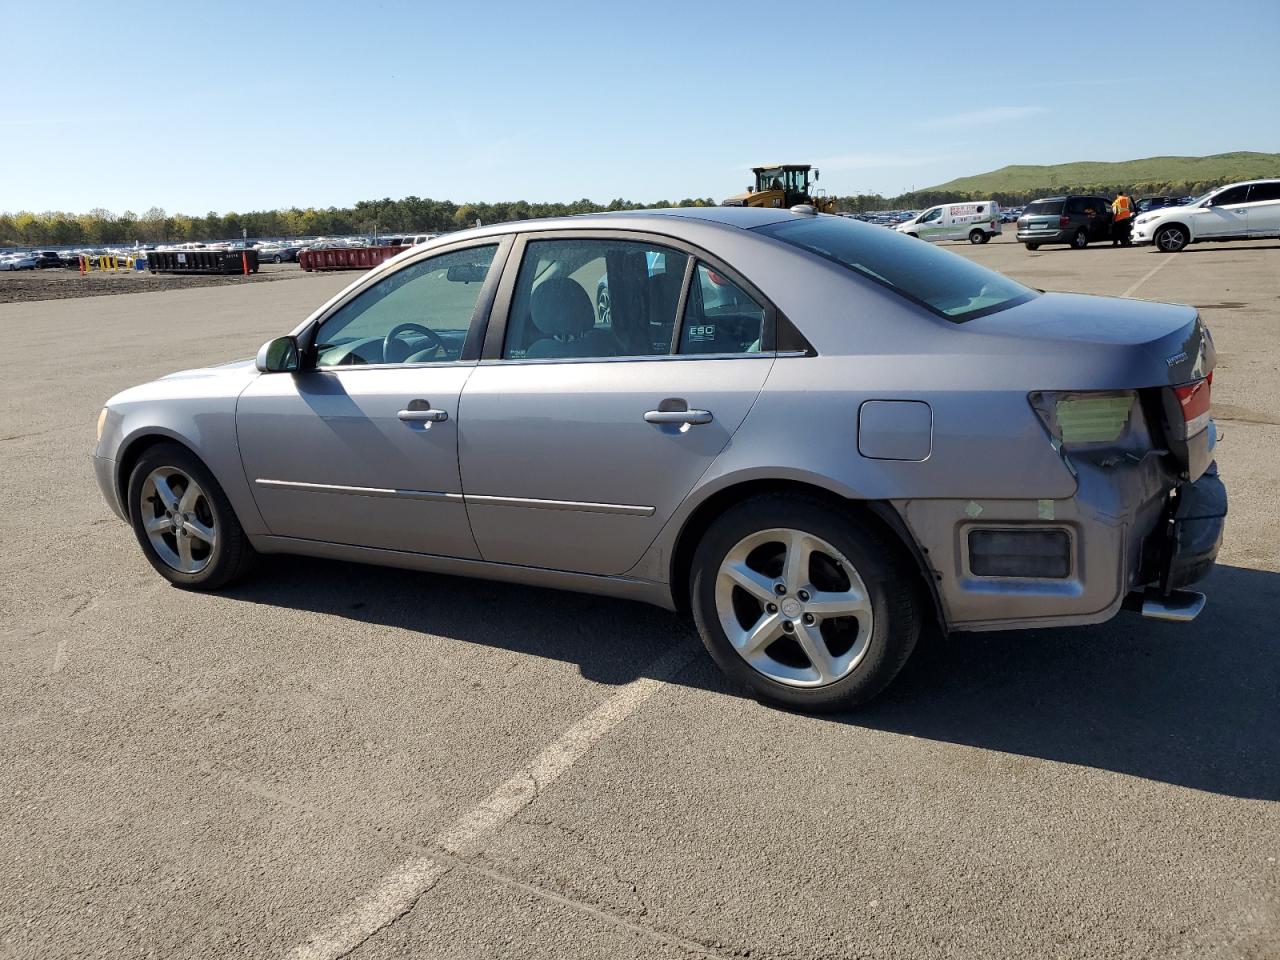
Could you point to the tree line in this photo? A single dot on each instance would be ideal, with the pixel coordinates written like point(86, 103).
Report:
point(100, 227)
point(412, 214)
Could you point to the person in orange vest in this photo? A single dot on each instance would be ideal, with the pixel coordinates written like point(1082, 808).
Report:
point(1121, 220)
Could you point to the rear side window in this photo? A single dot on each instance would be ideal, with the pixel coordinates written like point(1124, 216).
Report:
point(945, 283)
point(1052, 208)
point(1264, 191)
point(587, 298)
point(720, 317)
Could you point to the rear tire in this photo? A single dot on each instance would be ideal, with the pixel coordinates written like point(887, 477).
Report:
point(976, 237)
point(1032, 246)
point(831, 640)
point(184, 522)
point(1080, 240)
point(1171, 239)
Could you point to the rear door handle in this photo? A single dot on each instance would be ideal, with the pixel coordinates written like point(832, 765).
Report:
point(426, 415)
point(677, 416)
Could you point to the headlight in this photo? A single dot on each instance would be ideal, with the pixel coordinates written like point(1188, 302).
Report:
point(1145, 218)
point(102, 422)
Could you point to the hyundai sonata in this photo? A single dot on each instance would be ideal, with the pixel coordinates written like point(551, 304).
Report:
point(814, 435)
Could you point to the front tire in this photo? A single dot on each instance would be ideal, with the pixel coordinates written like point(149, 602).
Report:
point(1171, 239)
point(805, 606)
point(184, 522)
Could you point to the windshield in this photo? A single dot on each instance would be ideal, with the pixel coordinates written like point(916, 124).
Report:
point(945, 283)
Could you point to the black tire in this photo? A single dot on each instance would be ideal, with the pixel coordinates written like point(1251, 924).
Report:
point(976, 237)
point(1032, 246)
point(1080, 240)
point(1171, 238)
point(276, 258)
point(888, 574)
point(231, 556)
point(604, 306)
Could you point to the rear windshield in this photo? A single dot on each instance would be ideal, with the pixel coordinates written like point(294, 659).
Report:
point(946, 283)
point(1051, 207)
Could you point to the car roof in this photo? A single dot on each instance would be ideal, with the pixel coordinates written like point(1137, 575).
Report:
point(744, 218)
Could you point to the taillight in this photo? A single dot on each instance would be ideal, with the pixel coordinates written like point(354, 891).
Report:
point(1064, 221)
point(1193, 398)
point(1082, 418)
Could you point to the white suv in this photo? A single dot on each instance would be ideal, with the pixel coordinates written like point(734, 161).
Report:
point(1240, 211)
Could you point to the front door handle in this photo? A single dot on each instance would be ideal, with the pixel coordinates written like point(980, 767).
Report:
point(677, 416)
point(420, 411)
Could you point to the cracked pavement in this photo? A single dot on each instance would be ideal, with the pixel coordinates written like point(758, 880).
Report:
point(185, 775)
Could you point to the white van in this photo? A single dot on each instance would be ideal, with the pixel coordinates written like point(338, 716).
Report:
point(976, 222)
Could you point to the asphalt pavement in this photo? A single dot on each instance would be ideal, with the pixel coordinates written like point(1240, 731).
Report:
point(334, 760)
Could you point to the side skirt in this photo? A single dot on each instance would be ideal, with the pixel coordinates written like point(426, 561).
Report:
point(625, 588)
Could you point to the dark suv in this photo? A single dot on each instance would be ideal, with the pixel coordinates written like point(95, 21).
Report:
point(1074, 220)
point(47, 258)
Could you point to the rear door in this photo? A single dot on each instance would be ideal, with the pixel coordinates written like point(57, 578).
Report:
point(590, 418)
point(1264, 209)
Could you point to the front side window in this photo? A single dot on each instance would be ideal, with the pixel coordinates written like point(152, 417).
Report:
point(594, 298)
point(720, 317)
point(419, 314)
point(946, 284)
point(1231, 196)
point(934, 214)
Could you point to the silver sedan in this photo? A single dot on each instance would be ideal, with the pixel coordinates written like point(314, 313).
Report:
point(816, 436)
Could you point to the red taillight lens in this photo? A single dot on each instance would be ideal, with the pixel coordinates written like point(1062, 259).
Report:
point(1064, 221)
point(1194, 399)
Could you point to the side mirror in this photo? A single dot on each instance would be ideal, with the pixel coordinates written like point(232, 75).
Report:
point(815, 174)
point(278, 356)
point(466, 273)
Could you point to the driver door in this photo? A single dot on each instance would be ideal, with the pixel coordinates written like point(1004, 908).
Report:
point(1225, 215)
point(360, 446)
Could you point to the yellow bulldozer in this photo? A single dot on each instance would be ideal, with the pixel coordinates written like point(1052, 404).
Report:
point(783, 185)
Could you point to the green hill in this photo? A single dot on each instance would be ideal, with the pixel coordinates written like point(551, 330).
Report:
point(1184, 172)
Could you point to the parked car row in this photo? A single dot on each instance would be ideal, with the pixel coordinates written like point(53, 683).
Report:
point(1239, 211)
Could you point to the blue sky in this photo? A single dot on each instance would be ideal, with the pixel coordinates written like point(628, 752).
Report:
point(237, 106)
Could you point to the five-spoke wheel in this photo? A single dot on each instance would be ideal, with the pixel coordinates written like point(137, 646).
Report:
point(183, 520)
point(805, 602)
point(178, 519)
point(793, 607)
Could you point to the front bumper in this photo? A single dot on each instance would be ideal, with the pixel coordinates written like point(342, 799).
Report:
point(104, 470)
point(1143, 234)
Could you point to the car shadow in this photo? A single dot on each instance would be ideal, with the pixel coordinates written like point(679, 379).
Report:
point(1196, 705)
point(1210, 246)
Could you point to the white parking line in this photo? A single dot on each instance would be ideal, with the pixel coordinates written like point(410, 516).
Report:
point(1148, 275)
point(396, 894)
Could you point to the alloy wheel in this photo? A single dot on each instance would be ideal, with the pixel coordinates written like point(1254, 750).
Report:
point(1171, 239)
point(793, 607)
point(178, 519)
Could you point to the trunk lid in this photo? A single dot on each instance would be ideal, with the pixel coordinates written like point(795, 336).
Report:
point(1131, 343)
point(1110, 344)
